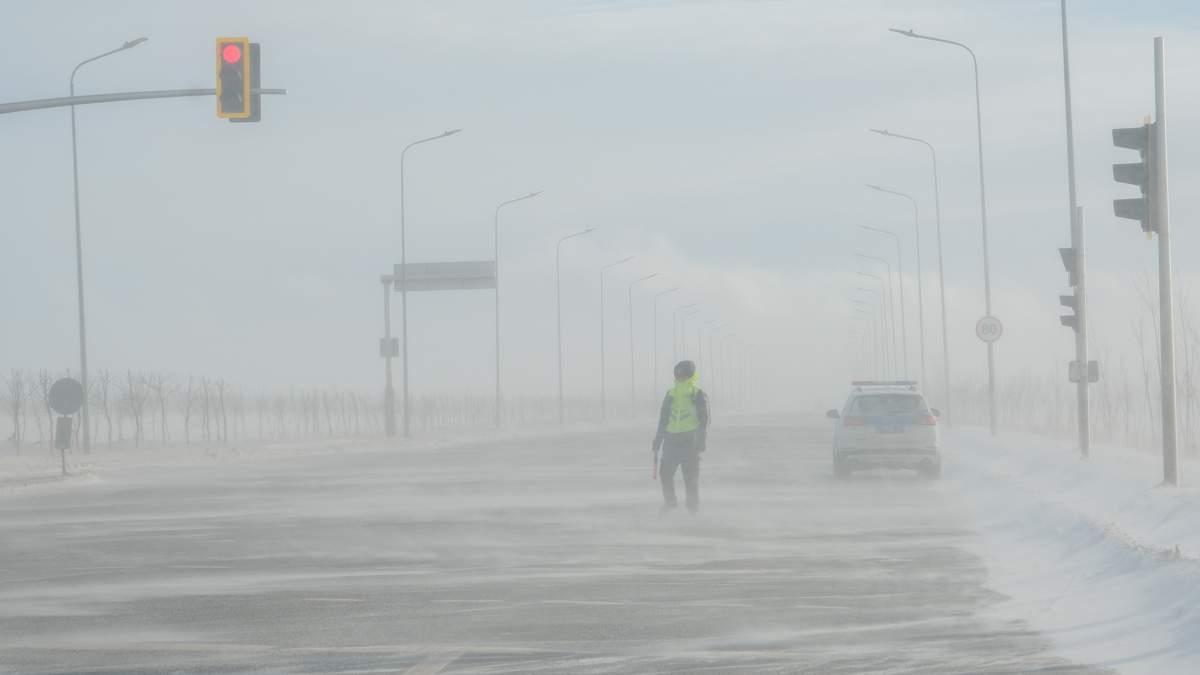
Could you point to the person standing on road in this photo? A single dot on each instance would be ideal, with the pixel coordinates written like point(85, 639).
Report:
point(682, 434)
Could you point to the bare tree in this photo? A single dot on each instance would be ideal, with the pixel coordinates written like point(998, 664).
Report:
point(44, 380)
point(161, 386)
point(135, 399)
point(189, 401)
point(17, 394)
point(223, 423)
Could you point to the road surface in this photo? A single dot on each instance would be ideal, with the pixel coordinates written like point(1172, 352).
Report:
point(543, 554)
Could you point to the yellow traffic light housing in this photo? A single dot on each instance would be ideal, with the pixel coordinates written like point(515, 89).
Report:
point(233, 78)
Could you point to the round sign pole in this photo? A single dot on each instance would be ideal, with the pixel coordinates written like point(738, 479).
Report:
point(65, 398)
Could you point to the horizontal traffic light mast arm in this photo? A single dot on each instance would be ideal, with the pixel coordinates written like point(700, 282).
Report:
point(38, 104)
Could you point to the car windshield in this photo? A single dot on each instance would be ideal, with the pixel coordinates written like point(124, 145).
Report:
point(888, 404)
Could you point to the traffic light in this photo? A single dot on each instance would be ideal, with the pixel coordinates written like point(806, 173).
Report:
point(1070, 320)
point(233, 78)
point(1140, 174)
point(1068, 259)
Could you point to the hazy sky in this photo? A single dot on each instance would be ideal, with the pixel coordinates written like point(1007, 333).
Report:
point(724, 143)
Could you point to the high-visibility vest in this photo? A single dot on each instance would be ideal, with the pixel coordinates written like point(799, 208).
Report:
point(684, 417)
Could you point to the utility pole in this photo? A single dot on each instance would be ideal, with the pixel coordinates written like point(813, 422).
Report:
point(1082, 367)
point(1152, 211)
point(389, 393)
point(1166, 312)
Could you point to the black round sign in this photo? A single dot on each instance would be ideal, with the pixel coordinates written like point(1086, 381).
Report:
point(66, 396)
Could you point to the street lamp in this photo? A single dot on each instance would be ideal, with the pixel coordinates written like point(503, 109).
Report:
point(83, 368)
point(654, 339)
point(389, 393)
point(683, 331)
point(632, 369)
point(712, 362)
point(496, 255)
point(603, 392)
point(891, 308)
point(558, 311)
point(900, 274)
point(404, 275)
point(937, 206)
point(869, 310)
point(674, 332)
point(920, 284)
point(882, 302)
point(987, 271)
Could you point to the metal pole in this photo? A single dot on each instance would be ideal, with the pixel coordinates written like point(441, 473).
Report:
point(654, 338)
point(632, 352)
point(496, 255)
point(389, 393)
point(920, 272)
point(1162, 223)
point(889, 367)
point(89, 99)
point(903, 302)
point(987, 270)
point(890, 300)
point(603, 391)
point(404, 278)
point(1077, 242)
point(1081, 346)
point(947, 407)
point(558, 314)
point(85, 417)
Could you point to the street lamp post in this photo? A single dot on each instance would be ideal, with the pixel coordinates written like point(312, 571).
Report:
point(603, 376)
point(920, 272)
point(868, 310)
point(389, 393)
point(987, 271)
point(683, 346)
point(496, 256)
point(654, 337)
point(404, 277)
point(937, 207)
point(889, 364)
point(558, 312)
point(712, 364)
point(83, 367)
point(903, 295)
point(900, 364)
point(632, 351)
point(675, 332)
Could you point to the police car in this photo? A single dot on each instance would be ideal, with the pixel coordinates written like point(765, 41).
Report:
point(886, 425)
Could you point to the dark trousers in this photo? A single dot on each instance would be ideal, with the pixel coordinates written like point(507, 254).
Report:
point(679, 450)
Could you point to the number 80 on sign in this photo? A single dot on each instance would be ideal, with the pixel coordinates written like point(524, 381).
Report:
point(989, 329)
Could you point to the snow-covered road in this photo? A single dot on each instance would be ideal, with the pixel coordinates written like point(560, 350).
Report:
point(536, 554)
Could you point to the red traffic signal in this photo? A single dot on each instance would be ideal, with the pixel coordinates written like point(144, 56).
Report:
point(232, 53)
point(233, 78)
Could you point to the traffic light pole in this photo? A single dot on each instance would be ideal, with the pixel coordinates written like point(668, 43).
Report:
point(64, 101)
point(1081, 348)
point(1159, 206)
point(389, 392)
point(1083, 413)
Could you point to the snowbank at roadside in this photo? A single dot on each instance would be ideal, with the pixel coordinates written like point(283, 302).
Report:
point(1092, 552)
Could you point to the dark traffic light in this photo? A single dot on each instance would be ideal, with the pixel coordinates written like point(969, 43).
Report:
point(233, 78)
point(1068, 260)
point(1070, 320)
point(1140, 174)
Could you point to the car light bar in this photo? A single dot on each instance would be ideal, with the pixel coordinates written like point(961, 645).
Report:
point(889, 383)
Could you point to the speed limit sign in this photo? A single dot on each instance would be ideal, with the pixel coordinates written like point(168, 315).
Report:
point(989, 329)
